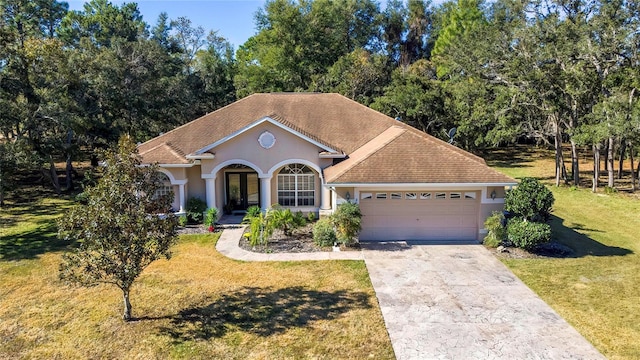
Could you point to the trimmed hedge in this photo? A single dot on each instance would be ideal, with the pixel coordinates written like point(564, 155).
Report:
point(527, 234)
point(530, 200)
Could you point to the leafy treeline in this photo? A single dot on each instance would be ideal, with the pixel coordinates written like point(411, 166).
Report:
point(552, 71)
point(73, 82)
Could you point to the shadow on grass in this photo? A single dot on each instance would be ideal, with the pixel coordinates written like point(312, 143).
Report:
point(263, 311)
point(582, 244)
point(507, 157)
point(30, 244)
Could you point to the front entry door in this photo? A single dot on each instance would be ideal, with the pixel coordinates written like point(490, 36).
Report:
point(243, 190)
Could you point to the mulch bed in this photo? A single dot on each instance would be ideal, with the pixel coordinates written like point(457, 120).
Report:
point(196, 229)
point(552, 249)
point(301, 240)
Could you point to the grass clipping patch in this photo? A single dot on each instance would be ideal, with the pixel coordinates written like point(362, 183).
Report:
point(197, 305)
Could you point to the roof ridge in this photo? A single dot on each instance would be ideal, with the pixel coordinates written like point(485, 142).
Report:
point(413, 129)
point(284, 121)
point(358, 159)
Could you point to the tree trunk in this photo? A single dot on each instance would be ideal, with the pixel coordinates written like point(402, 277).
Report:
point(2, 187)
point(596, 166)
point(127, 305)
point(633, 174)
point(69, 173)
point(575, 167)
point(54, 176)
point(558, 147)
point(69, 164)
point(623, 149)
point(610, 162)
point(605, 158)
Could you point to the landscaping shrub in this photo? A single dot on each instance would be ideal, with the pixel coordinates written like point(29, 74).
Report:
point(527, 234)
point(323, 233)
point(182, 220)
point(311, 217)
point(195, 210)
point(284, 220)
point(497, 230)
point(299, 219)
point(530, 200)
point(211, 216)
point(260, 230)
point(348, 222)
point(252, 212)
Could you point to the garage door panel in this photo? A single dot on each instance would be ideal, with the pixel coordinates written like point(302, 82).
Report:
point(419, 219)
point(414, 221)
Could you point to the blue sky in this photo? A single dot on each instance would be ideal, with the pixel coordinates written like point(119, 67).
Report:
point(232, 19)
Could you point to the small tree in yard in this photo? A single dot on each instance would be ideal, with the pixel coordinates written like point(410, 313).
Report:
point(531, 200)
point(119, 234)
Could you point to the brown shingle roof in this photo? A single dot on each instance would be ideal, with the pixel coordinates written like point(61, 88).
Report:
point(331, 119)
point(164, 153)
point(413, 157)
point(380, 149)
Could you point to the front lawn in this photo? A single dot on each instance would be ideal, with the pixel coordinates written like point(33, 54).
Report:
point(597, 290)
point(199, 304)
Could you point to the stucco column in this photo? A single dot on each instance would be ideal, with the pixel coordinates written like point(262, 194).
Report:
point(325, 198)
point(210, 184)
point(265, 192)
point(181, 197)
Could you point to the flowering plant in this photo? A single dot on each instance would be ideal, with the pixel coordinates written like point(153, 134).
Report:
point(211, 228)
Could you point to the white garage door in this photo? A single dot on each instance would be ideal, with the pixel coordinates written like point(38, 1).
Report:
point(419, 215)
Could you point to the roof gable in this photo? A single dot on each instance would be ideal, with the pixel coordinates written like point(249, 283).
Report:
point(271, 120)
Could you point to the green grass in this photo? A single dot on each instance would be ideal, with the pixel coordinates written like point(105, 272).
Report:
point(597, 289)
point(28, 230)
point(198, 305)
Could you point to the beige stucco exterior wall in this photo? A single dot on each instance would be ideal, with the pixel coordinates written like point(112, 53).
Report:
point(341, 194)
point(500, 192)
point(245, 147)
point(195, 186)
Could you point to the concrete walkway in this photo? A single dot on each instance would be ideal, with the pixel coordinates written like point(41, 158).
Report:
point(450, 302)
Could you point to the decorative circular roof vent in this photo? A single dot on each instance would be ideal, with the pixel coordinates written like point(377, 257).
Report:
point(267, 140)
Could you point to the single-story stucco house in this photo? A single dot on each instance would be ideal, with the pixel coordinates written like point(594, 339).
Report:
point(311, 152)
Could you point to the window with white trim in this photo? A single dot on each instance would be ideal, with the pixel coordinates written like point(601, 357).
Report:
point(396, 196)
point(296, 186)
point(455, 195)
point(410, 196)
point(366, 196)
point(441, 195)
point(164, 187)
point(470, 195)
point(425, 196)
point(381, 195)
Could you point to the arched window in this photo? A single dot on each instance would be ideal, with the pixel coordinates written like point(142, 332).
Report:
point(296, 186)
point(165, 187)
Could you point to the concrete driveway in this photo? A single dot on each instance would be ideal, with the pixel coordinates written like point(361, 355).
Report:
point(460, 302)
